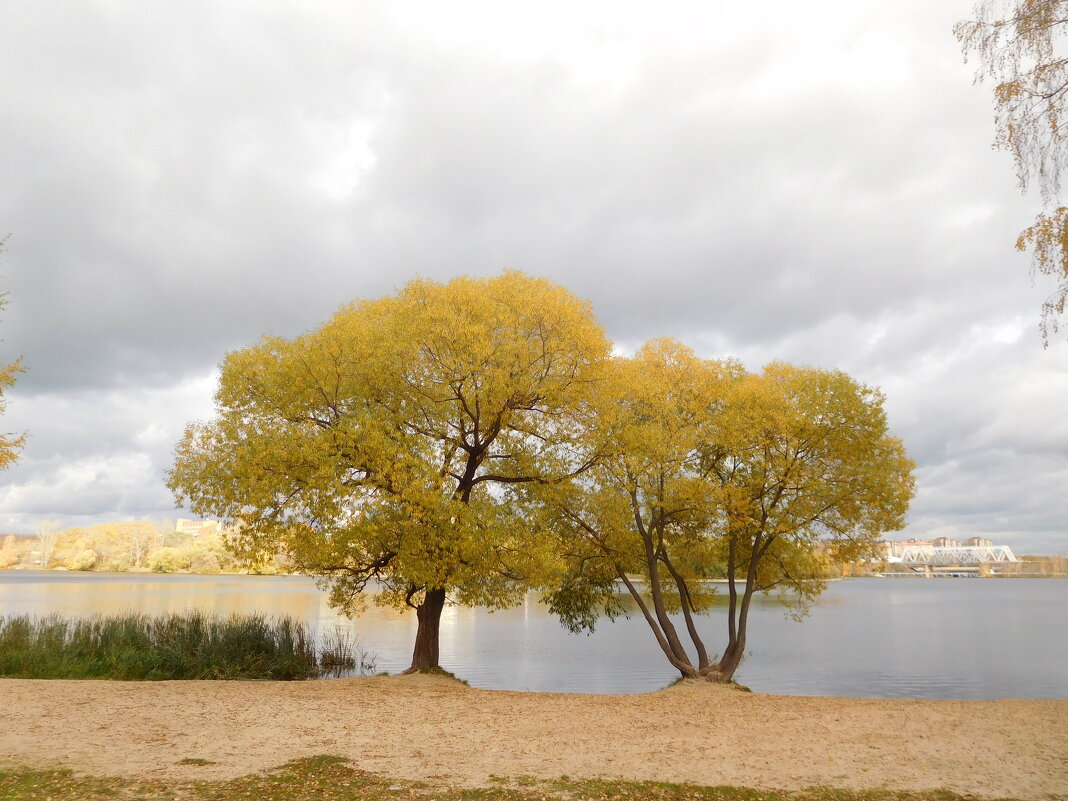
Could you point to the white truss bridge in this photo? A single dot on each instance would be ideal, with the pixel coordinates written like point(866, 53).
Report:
point(920, 556)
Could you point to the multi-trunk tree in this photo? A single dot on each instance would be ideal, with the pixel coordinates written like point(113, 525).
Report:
point(471, 440)
point(384, 448)
point(708, 471)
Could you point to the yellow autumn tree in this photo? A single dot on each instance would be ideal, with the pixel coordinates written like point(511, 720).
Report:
point(1020, 47)
point(10, 444)
point(709, 471)
point(382, 449)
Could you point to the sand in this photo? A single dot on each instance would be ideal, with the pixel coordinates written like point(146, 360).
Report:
point(427, 727)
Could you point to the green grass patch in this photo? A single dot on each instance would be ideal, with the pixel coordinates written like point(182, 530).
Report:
point(189, 645)
point(332, 778)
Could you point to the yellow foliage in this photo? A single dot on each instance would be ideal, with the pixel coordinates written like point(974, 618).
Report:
point(383, 446)
point(8, 554)
point(1048, 237)
point(1019, 43)
point(10, 444)
point(706, 470)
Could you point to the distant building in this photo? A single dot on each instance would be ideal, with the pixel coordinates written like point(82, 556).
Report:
point(195, 528)
point(945, 542)
point(979, 542)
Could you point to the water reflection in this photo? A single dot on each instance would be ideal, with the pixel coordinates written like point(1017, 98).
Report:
point(85, 594)
point(943, 638)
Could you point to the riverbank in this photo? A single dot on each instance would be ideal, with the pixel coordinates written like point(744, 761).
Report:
point(425, 727)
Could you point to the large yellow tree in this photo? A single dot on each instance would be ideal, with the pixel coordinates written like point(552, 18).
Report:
point(1020, 46)
point(709, 471)
point(382, 449)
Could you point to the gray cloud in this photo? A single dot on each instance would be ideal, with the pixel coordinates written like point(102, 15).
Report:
point(99, 454)
point(820, 189)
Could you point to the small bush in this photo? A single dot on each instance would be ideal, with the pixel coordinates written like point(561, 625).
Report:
point(168, 560)
point(203, 561)
point(120, 564)
point(83, 560)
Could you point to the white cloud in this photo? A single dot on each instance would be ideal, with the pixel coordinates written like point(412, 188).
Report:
point(98, 454)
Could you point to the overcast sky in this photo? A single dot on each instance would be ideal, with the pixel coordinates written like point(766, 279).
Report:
point(810, 182)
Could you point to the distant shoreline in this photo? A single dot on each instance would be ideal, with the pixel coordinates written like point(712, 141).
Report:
point(143, 571)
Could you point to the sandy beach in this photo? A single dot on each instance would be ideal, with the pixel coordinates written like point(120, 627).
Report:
point(432, 727)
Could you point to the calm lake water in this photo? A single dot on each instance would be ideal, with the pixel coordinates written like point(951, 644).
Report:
point(879, 638)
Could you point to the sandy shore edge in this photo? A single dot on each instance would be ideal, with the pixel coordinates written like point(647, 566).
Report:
point(427, 727)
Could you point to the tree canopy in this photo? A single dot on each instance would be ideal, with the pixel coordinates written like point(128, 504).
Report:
point(472, 440)
point(385, 446)
point(1020, 45)
point(709, 471)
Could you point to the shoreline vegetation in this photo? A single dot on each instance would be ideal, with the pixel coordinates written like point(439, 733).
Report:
point(139, 546)
point(181, 646)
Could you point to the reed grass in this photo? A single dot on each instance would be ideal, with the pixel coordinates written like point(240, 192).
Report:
point(187, 645)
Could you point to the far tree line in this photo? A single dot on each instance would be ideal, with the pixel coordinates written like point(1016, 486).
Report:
point(119, 547)
point(151, 546)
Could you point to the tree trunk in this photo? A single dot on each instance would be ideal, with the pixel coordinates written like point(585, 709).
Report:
point(428, 613)
point(683, 665)
point(732, 658)
point(732, 655)
point(723, 670)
